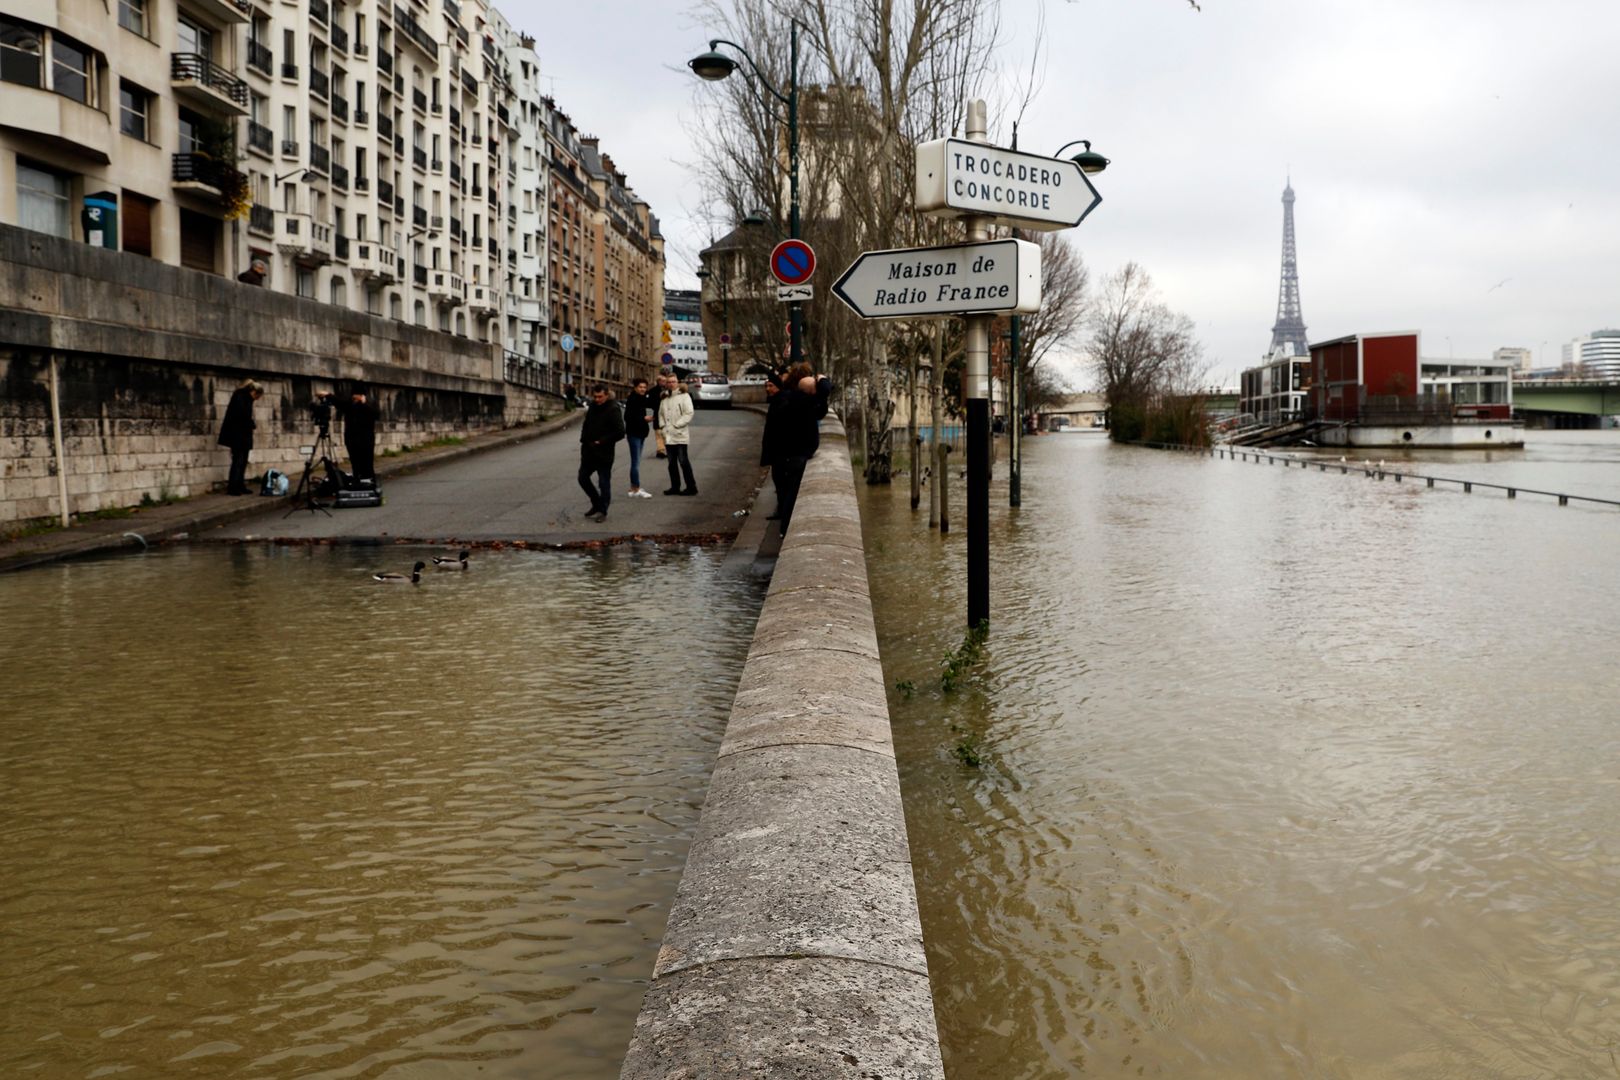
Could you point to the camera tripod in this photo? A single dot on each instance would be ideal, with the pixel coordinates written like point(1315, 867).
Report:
point(304, 497)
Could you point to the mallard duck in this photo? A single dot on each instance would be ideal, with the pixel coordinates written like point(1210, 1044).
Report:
point(391, 578)
point(445, 562)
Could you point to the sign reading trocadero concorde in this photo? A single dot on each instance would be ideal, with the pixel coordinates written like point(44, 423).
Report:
point(999, 277)
point(1025, 191)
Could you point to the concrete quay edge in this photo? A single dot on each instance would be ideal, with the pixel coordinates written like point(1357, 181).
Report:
point(157, 524)
point(794, 945)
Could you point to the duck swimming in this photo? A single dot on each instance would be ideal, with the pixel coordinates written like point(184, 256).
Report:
point(445, 562)
point(391, 578)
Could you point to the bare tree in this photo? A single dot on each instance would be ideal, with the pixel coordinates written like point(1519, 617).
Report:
point(1144, 354)
point(1062, 318)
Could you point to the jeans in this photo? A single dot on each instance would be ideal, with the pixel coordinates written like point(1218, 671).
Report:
point(602, 466)
point(679, 464)
point(636, 442)
point(787, 487)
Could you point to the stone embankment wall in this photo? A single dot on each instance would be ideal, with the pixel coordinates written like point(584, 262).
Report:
point(148, 355)
point(794, 947)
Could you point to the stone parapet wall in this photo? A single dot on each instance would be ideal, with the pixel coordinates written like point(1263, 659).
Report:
point(149, 354)
point(794, 947)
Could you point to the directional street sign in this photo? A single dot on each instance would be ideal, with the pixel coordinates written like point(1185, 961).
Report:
point(786, 293)
point(1025, 191)
point(567, 343)
point(792, 262)
point(998, 277)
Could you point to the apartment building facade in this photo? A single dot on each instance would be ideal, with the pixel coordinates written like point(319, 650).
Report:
point(393, 158)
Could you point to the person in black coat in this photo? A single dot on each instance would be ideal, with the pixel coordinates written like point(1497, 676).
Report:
point(770, 439)
point(360, 432)
point(236, 432)
point(602, 428)
point(636, 430)
point(804, 398)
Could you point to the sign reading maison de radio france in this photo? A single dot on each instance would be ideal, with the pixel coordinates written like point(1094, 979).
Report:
point(994, 278)
point(1024, 191)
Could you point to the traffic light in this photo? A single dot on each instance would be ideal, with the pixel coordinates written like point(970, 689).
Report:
point(667, 338)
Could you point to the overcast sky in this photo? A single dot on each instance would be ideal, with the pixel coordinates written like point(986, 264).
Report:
point(1456, 162)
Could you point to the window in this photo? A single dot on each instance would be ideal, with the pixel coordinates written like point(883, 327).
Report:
point(133, 106)
point(20, 50)
point(191, 132)
point(396, 309)
point(339, 292)
point(42, 200)
point(132, 15)
point(306, 283)
point(194, 39)
point(421, 313)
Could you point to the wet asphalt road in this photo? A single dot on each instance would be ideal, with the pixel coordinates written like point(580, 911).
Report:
point(530, 493)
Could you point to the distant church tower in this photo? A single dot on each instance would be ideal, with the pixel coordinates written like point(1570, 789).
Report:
point(1288, 336)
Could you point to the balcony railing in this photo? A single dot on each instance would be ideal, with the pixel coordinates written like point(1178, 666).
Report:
point(455, 118)
point(262, 219)
point(341, 245)
point(340, 39)
point(413, 30)
point(419, 217)
point(289, 148)
point(320, 83)
point(385, 59)
point(494, 248)
point(340, 177)
point(419, 156)
point(469, 83)
point(420, 274)
point(260, 57)
point(455, 171)
point(361, 48)
point(399, 206)
point(385, 126)
point(452, 9)
point(436, 222)
point(261, 138)
point(320, 11)
point(289, 71)
point(455, 229)
point(437, 164)
point(189, 67)
point(362, 182)
point(320, 158)
point(361, 117)
point(419, 99)
point(202, 169)
point(340, 107)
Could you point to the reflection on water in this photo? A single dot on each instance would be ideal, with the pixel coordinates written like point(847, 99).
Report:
point(1286, 773)
point(264, 817)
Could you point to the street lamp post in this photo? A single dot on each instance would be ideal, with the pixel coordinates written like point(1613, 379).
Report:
point(714, 66)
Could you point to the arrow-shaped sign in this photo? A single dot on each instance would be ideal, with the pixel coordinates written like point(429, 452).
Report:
point(956, 177)
point(994, 278)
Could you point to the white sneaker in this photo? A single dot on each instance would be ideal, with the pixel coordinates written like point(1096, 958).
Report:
point(644, 494)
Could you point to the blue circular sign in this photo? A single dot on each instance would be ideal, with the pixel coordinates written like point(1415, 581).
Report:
point(792, 262)
point(567, 343)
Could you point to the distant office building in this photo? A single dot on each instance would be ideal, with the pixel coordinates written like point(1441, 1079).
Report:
point(1517, 359)
point(684, 343)
point(1597, 352)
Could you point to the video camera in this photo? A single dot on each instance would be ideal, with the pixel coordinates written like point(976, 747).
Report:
point(322, 410)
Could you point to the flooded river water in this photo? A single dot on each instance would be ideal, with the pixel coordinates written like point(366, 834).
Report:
point(1284, 773)
point(262, 817)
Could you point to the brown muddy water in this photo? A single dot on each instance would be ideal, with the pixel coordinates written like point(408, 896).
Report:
point(262, 817)
point(1284, 773)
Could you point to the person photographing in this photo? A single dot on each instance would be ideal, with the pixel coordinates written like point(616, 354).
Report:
point(360, 415)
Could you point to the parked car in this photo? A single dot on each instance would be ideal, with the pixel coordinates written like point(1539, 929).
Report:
point(709, 388)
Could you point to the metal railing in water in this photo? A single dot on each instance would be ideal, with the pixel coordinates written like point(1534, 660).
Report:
point(1375, 472)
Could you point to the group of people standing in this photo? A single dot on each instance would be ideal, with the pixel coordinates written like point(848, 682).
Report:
point(359, 414)
point(668, 410)
point(797, 402)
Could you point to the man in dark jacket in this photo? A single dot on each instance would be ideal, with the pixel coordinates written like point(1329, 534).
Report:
point(237, 433)
point(603, 426)
point(804, 400)
point(770, 440)
point(636, 430)
point(360, 432)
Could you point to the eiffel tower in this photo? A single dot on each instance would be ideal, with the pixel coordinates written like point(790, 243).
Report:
point(1288, 335)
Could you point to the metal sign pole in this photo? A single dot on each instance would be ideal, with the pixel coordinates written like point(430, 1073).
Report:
point(977, 392)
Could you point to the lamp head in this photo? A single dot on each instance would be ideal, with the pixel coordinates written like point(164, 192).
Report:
point(1088, 161)
point(705, 273)
point(712, 65)
point(754, 217)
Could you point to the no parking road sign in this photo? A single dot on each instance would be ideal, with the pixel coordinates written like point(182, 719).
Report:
point(792, 262)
